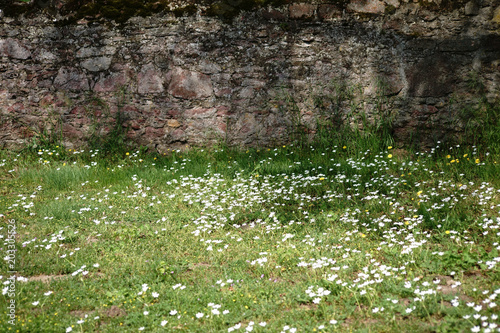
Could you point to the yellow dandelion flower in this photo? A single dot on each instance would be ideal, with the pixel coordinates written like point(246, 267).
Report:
point(477, 160)
point(127, 153)
point(448, 156)
point(389, 156)
point(447, 232)
point(390, 147)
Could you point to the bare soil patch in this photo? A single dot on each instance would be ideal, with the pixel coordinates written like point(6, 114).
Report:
point(47, 278)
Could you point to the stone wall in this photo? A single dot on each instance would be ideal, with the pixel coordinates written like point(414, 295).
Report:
point(257, 80)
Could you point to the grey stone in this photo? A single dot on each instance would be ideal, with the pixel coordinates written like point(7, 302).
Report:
point(71, 79)
point(471, 8)
point(96, 64)
point(14, 49)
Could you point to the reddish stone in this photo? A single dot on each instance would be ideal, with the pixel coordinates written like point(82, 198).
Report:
point(223, 110)
point(112, 82)
point(134, 125)
point(222, 127)
point(225, 92)
point(78, 110)
point(200, 113)
point(394, 24)
point(153, 133)
point(301, 10)
point(71, 132)
point(148, 80)
point(47, 100)
point(178, 135)
point(367, 6)
point(174, 113)
point(17, 107)
point(187, 85)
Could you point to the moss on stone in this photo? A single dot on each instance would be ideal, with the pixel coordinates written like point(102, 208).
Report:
point(390, 9)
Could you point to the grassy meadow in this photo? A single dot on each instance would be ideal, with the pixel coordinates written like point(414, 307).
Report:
point(331, 237)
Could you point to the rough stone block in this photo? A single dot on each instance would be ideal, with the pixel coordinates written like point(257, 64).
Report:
point(471, 8)
point(69, 78)
point(301, 11)
point(187, 84)
point(96, 64)
point(12, 48)
point(496, 16)
point(367, 6)
point(112, 82)
point(173, 123)
point(328, 11)
point(431, 77)
point(148, 80)
point(200, 113)
point(86, 52)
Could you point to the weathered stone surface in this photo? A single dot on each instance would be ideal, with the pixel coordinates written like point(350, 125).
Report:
point(69, 78)
point(112, 82)
point(196, 80)
point(86, 52)
point(433, 76)
point(496, 15)
point(367, 6)
point(200, 113)
point(471, 8)
point(173, 123)
point(14, 49)
point(96, 64)
point(460, 45)
point(189, 84)
point(301, 11)
point(149, 81)
point(328, 11)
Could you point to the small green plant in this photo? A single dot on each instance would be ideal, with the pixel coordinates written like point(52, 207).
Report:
point(108, 133)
